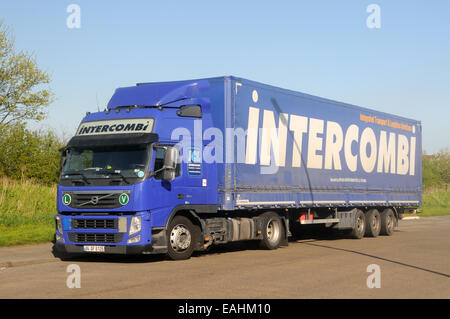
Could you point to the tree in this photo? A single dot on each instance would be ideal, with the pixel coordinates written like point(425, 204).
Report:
point(27, 154)
point(24, 92)
point(436, 168)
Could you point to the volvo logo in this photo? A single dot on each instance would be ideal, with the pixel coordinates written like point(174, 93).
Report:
point(94, 200)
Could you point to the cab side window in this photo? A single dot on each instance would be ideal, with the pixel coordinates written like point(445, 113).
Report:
point(159, 163)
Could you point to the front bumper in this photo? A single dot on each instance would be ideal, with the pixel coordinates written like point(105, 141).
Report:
point(111, 232)
point(121, 250)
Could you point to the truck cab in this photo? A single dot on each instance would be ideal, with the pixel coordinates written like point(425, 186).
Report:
point(122, 177)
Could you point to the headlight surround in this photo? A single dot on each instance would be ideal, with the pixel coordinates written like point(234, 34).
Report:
point(59, 238)
point(135, 225)
point(59, 227)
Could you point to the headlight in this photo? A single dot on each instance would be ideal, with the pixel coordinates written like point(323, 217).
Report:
point(59, 225)
point(135, 225)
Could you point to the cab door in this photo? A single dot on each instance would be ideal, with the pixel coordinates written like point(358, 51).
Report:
point(190, 185)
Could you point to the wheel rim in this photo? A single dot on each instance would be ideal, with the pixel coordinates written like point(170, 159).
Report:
point(375, 222)
point(273, 231)
point(389, 222)
point(360, 224)
point(180, 238)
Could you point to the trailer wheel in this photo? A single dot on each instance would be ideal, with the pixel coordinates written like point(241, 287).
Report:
point(373, 223)
point(359, 228)
point(273, 231)
point(387, 222)
point(180, 238)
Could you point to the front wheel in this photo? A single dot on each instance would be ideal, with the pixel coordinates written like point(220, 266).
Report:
point(180, 238)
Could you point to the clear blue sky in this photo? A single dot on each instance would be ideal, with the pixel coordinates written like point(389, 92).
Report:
point(317, 47)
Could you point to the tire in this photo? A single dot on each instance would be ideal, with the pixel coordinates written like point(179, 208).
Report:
point(273, 231)
point(373, 223)
point(359, 228)
point(387, 222)
point(180, 238)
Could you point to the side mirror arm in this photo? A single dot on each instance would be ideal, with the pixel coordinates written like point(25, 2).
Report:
point(156, 172)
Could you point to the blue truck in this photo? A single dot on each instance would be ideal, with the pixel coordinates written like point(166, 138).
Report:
point(175, 167)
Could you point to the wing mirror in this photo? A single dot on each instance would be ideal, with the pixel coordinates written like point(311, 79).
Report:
point(64, 152)
point(170, 163)
point(171, 158)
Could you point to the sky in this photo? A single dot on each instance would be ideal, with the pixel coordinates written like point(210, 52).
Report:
point(323, 48)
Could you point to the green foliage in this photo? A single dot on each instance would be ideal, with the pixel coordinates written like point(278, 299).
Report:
point(23, 92)
point(26, 202)
point(436, 197)
point(436, 169)
point(26, 234)
point(436, 181)
point(29, 154)
point(436, 201)
point(27, 211)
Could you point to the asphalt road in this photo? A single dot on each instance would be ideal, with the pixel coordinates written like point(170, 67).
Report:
point(413, 263)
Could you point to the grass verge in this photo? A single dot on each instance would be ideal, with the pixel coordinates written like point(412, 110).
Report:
point(26, 234)
point(27, 212)
point(436, 201)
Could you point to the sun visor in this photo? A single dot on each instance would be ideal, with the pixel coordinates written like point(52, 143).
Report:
point(112, 139)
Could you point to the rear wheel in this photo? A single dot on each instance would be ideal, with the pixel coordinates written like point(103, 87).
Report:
point(359, 228)
point(373, 223)
point(387, 222)
point(180, 238)
point(273, 231)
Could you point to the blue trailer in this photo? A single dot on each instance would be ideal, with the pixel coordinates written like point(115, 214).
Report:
point(175, 167)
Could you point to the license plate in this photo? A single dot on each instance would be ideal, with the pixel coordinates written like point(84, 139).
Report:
point(96, 249)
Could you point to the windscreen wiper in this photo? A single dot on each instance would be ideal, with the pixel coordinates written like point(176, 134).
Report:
point(117, 172)
point(84, 178)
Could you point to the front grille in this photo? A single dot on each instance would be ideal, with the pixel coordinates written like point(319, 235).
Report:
point(96, 200)
point(95, 238)
point(94, 223)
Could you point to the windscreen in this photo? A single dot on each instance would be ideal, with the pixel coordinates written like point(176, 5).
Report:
point(103, 162)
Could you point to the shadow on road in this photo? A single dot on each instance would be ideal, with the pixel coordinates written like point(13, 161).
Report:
point(307, 238)
point(110, 258)
point(101, 258)
point(130, 259)
point(213, 250)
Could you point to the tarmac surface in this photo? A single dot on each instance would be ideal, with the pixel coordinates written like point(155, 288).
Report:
point(413, 263)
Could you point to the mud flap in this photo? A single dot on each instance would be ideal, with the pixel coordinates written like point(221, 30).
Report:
point(284, 241)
